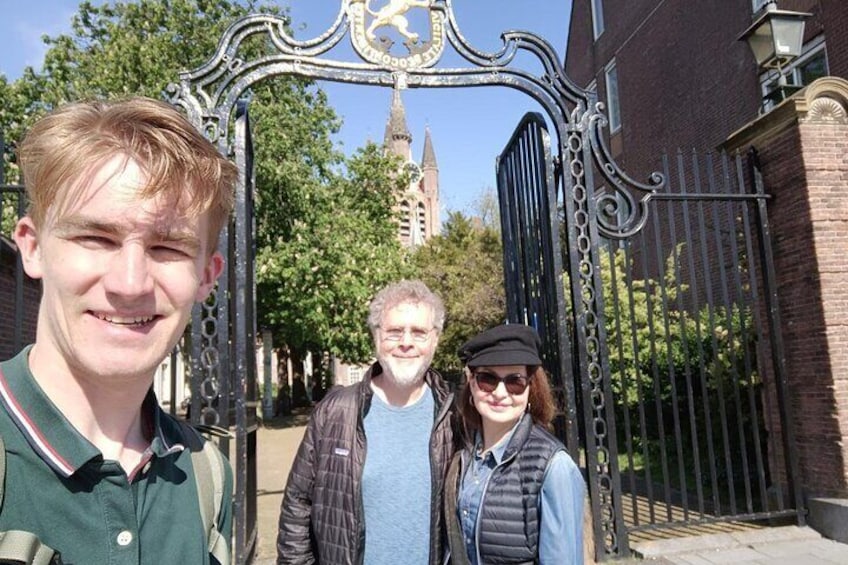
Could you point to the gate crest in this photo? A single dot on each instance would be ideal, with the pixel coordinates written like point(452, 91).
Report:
point(379, 49)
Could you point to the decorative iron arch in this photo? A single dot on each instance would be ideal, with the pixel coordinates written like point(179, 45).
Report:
point(211, 93)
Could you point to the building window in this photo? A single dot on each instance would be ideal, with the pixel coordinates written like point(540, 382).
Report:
point(812, 64)
point(404, 220)
point(354, 375)
point(598, 17)
point(613, 107)
point(422, 220)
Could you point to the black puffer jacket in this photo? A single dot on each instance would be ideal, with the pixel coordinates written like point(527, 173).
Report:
point(321, 519)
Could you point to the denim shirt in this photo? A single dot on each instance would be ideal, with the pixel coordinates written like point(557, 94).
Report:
point(561, 504)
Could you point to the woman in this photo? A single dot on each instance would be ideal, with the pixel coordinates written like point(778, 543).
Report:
point(513, 494)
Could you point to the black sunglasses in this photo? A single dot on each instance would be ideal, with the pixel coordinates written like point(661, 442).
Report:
point(488, 382)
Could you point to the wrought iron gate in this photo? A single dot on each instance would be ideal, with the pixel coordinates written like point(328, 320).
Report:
point(683, 401)
point(223, 338)
point(602, 217)
point(533, 259)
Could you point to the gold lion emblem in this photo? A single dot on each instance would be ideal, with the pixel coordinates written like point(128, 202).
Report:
point(366, 23)
point(394, 14)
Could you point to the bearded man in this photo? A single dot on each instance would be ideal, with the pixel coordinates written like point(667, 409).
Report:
point(366, 485)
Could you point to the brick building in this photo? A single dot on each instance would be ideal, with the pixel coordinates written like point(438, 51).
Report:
point(673, 73)
point(418, 206)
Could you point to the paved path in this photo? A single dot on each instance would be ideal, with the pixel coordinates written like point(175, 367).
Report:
point(786, 545)
point(278, 441)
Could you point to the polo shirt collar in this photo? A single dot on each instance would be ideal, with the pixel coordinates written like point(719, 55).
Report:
point(166, 438)
point(50, 434)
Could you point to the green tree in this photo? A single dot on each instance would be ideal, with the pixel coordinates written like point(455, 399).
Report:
point(317, 282)
point(464, 266)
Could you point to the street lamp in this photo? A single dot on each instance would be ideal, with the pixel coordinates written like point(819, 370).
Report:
point(775, 38)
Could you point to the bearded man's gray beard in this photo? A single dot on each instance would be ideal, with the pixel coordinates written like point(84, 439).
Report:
point(404, 375)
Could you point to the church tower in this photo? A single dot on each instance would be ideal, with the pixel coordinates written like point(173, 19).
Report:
point(418, 206)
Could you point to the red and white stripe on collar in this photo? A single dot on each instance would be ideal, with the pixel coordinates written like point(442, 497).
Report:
point(33, 434)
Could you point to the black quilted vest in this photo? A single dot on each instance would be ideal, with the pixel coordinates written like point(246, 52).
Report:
point(509, 517)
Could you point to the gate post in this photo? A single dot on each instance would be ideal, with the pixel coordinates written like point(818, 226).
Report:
point(802, 150)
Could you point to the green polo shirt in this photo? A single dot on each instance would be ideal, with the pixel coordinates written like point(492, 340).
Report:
point(59, 487)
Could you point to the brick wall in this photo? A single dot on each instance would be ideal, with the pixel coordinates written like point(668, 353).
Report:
point(804, 153)
point(685, 81)
point(835, 18)
point(824, 393)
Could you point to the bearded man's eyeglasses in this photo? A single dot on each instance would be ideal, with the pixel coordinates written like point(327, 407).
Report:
point(396, 334)
point(488, 382)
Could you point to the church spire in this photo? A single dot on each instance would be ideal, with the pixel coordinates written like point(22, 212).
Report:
point(398, 129)
point(428, 160)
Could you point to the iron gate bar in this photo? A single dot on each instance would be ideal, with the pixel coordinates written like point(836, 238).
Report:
point(627, 424)
point(526, 163)
point(690, 396)
point(734, 255)
point(244, 322)
point(711, 330)
point(752, 267)
point(701, 365)
point(723, 297)
point(737, 291)
point(675, 410)
point(655, 378)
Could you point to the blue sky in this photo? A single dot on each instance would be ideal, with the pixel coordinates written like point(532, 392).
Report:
point(469, 126)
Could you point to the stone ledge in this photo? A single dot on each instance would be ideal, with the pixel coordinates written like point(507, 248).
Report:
point(829, 517)
point(724, 541)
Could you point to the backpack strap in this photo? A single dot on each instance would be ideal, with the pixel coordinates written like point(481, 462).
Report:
point(17, 546)
point(25, 548)
point(209, 472)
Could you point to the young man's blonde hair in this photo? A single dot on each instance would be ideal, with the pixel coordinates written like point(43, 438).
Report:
point(67, 147)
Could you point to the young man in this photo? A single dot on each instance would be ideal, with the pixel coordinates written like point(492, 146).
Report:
point(126, 201)
point(366, 485)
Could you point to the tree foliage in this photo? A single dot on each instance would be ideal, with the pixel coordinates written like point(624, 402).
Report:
point(464, 266)
point(319, 278)
point(317, 216)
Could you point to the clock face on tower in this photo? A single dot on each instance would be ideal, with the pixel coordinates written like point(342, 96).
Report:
point(414, 171)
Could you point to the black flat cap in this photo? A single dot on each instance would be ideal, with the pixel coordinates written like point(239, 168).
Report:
point(511, 344)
